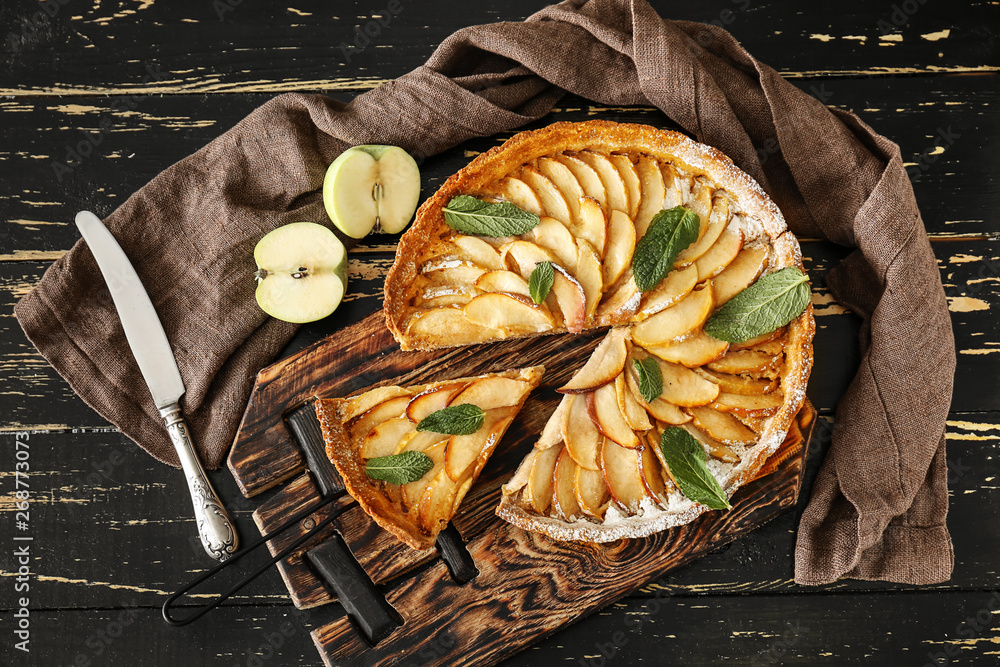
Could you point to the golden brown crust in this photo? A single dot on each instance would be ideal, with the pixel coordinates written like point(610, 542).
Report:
point(369, 492)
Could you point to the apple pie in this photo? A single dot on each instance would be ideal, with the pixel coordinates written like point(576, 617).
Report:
point(385, 422)
point(576, 226)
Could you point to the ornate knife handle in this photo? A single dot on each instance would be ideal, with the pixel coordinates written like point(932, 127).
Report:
point(218, 535)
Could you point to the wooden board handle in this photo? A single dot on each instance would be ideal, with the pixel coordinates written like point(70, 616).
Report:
point(367, 608)
point(456, 555)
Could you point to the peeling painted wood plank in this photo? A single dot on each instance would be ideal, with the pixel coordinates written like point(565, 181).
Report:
point(239, 47)
point(136, 635)
point(49, 179)
point(913, 629)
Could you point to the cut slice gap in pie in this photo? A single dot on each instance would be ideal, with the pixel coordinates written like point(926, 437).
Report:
point(383, 422)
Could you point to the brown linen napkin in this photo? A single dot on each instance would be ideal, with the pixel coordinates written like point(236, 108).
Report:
point(880, 501)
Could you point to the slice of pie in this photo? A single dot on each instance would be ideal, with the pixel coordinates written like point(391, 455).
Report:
point(594, 190)
point(384, 421)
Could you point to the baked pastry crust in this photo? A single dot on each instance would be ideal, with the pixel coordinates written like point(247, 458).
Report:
point(752, 215)
point(382, 500)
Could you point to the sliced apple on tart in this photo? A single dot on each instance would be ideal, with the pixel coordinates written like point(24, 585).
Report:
point(409, 455)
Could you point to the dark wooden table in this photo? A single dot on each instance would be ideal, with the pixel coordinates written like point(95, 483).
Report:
point(96, 97)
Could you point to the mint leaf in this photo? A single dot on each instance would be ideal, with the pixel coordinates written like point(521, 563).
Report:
point(399, 468)
point(540, 281)
point(650, 378)
point(474, 216)
point(686, 459)
point(454, 420)
point(773, 301)
point(670, 232)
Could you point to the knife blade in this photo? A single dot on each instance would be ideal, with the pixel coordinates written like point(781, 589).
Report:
point(156, 361)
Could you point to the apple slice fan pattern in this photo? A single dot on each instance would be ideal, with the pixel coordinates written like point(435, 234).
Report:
point(408, 455)
point(598, 224)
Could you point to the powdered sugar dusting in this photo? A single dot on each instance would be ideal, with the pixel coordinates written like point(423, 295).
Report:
point(443, 263)
point(632, 304)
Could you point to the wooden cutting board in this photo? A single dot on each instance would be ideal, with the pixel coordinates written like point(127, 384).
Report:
point(529, 586)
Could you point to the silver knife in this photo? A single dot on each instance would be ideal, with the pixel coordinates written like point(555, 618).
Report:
point(159, 369)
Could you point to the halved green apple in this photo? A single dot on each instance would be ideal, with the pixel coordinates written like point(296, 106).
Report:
point(369, 185)
point(301, 272)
